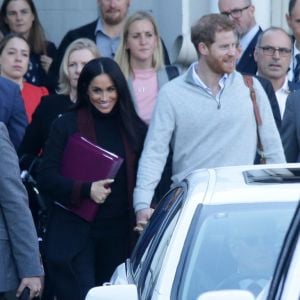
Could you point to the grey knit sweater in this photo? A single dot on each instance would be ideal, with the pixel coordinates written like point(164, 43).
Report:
point(204, 133)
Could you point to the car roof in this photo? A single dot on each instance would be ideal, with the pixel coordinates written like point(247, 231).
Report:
point(245, 184)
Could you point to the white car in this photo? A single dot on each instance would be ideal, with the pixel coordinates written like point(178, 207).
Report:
point(285, 283)
point(219, 229)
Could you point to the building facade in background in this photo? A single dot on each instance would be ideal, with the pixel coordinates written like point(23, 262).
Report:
point(173, 16)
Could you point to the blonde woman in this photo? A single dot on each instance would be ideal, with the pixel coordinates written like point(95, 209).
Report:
point(140, 56)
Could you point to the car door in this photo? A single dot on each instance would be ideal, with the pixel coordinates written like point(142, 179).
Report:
point(147, 258)
point(285, 284)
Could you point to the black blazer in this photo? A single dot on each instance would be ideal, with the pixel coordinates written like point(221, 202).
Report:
point(267, 85)
point(85, 31)
point(290, 130)
point(12, 110)
point(293, 86)
point(247, 63)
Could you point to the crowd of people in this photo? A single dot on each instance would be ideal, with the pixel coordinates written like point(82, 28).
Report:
point(111, 81)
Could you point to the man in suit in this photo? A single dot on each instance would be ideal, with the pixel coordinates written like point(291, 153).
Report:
point(273, 55)
point(242, 14)
point(292, 18)
point(12, 110)
point(290, 130)
point(105, 32)
point(19, 250)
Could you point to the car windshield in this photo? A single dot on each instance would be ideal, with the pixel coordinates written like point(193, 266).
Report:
point(232, 247)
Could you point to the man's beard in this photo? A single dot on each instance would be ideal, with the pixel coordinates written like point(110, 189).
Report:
point(112, 19)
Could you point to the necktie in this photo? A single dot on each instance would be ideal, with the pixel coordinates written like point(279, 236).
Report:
point(297, 69)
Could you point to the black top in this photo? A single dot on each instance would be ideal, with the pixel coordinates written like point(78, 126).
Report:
point(247, 63)
point(267, 85)
point(36, 74)
point(60, 189)
point(38, 130)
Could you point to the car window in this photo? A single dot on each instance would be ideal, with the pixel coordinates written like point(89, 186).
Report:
point(286, 280)
point(152, 244)
point(232, 247)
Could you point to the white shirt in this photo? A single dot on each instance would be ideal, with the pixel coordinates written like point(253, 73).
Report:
point(282, 95)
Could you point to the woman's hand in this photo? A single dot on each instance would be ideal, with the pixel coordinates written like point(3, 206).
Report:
point(100, 190)
point(46, 62)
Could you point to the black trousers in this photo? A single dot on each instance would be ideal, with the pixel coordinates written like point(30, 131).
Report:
point(93, 266)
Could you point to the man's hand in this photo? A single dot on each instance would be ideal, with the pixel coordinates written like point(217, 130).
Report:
point(33, 283)
point(142, 218)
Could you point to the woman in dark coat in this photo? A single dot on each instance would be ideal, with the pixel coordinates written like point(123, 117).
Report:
point(83, 254)
point(20, 16)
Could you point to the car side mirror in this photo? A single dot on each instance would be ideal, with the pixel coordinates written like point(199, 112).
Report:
point(112, 292)
point(227, 295)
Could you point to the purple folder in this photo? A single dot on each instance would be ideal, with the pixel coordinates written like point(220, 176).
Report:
point(87, 162)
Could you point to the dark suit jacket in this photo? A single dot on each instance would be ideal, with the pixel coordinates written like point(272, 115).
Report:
point(293, 86)
point(86, 31)
point(12, 110)
point(290, 130)
point(247, 63)
point(19, 250)
point(267, 85)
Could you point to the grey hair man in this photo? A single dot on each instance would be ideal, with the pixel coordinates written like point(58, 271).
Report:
point(273, 54)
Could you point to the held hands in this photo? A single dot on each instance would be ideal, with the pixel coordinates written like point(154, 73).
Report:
point(34, 284)
point(46, 62)
point(100, 190)
point(142, 218)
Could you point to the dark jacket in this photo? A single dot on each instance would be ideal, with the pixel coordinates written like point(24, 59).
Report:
point(36, 74)
point(267, 85)
point(63, 224)
point(290, 130)
point(38, 130)
point(12, 110)
point(293, 86)
point(19, 249)
point(247, 63)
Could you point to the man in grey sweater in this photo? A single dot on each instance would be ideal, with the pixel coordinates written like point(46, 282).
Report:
point(206, 115)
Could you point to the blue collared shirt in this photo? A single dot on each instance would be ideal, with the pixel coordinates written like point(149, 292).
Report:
point(106, 45)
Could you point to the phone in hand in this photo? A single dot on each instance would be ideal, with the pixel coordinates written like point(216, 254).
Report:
point(25, 294)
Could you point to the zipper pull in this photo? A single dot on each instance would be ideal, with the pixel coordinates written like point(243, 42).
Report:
point(219, 105)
